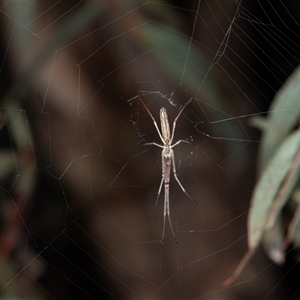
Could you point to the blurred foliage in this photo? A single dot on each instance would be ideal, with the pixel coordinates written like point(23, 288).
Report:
point(18, 161)
point(78, 20)
point(18, 169)
point(278, 178)
point(18, 164)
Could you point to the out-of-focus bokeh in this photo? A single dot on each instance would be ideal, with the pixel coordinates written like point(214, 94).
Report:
point(77, 186)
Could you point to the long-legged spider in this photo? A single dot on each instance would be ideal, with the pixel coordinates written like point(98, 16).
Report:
point(167, 159)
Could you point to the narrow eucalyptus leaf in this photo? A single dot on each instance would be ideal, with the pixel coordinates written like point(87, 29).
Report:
point(282, 117)
point(18, 128)
point(273, 242)
point(26, 181)
point(268, 186)
point(285, 191)
point(293, 233)
point(7, 164)
point(187, 66)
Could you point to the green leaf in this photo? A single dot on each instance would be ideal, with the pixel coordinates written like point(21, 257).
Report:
point(263, 212)
point(7, 164)
point(18, 128)
point(282, 118)
point(273, 242)
point(186, 65)
point(26, 181)
point(285, 191)
point(293, 233)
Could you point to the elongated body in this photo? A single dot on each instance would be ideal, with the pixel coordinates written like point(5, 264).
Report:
point(167, 160)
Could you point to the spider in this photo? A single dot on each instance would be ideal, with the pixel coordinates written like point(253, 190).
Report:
point(167, 159)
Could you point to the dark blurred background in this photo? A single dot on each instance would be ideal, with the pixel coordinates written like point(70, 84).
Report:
point(77, 189)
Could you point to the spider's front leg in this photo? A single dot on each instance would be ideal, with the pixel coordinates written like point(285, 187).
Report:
point(153, 144)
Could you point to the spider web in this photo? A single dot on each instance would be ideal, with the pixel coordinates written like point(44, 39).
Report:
point(78, 186)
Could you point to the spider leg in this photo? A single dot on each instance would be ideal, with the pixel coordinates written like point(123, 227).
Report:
point(180, 141)
point(166, 170)
point(167, 213)
point(168, 210)
point(154, 122)
point(159, 190)
point(175, 120)
point(154, 144)
point(175, 175)
point(164, 224)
